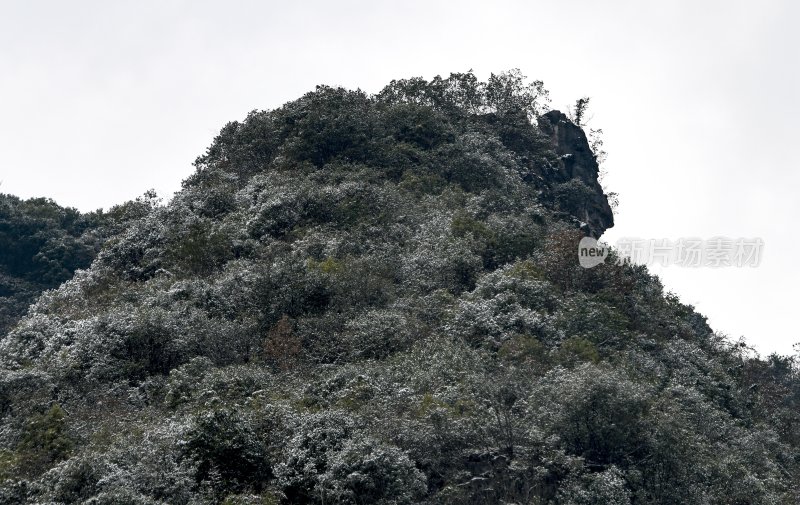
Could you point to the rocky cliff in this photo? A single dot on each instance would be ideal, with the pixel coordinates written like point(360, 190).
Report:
point(577, 161)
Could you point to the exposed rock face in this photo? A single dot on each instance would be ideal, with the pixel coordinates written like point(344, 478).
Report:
point(576, 161)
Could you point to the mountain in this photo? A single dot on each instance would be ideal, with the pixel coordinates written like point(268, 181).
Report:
point(376, 299)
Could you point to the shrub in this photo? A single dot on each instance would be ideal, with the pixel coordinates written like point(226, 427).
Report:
point(365, 472)
point(223, 444)
point(45, 440)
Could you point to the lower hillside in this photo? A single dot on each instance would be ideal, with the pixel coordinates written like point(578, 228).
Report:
point(376, 299)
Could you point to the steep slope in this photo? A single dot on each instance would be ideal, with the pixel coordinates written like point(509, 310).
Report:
point(376, 299)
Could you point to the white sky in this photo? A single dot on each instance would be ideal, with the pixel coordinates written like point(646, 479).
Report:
point(100, 101)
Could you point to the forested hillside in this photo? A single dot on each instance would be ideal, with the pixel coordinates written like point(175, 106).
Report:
point(42, 244)
point(376, 299)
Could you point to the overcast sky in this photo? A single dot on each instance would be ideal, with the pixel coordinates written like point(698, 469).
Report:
point(100, 101)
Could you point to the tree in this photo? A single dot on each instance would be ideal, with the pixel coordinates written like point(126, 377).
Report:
point(282, 347)
point(579, 111)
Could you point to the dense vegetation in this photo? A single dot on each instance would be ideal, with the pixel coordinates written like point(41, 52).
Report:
point(376, 299)
point(42, 244)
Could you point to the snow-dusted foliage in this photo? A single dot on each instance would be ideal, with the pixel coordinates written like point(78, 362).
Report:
point(376, 299)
